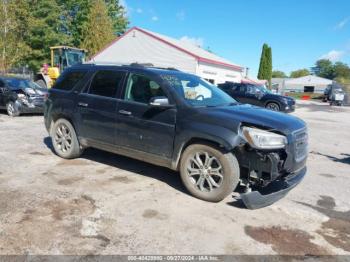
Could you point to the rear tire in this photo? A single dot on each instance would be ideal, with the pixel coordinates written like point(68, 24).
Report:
point(64, 139)
point(12, 109)
point(208, 173)
point(273, 106)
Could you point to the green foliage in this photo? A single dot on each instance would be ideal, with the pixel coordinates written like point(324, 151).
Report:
point(262, 65)
point(118, 15)
point(299, 73)
point(269, 65)
point(99, 29)
point(278, 74)
point(338, 71)
point(74, 17)
point(45, 29)
point(29, 28)
point(13, 23)
point(324, 68)
point(265, 67)
point(341, 70)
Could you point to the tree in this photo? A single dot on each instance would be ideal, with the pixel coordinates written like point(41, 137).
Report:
point(278, 74)
point(269, 65)
point(118, 15)
point(265, 67)
point(299, 73)
point(341, 70)
point(99, 29)
point(13, 22)
point(262, 65)
point(45, 29)
point(75, 16)
point(324, 68)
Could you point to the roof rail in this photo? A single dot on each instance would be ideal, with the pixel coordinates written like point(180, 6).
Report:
point(103, 63)
point(142, 64)
point(135, 64)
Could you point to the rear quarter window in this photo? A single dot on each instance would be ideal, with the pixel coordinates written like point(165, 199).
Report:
point(68, 80)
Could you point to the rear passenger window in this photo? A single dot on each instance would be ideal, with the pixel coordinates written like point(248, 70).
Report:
point(106, 83)
point(68, 80)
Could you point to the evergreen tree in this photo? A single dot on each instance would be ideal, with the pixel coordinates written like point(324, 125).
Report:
point(13, 25)
point(99, 30)
point(118, 15)
point(75, 17)
point(46, 28)
point(265, 67)
point(262, 66)
point(269, 65)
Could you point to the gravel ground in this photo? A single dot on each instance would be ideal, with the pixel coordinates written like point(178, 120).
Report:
point(108, 204)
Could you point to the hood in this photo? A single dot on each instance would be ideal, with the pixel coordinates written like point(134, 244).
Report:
point(237, 114)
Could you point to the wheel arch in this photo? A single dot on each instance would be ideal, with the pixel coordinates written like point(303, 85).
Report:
point(273, 101)
point(221, 143)
point(58, 116)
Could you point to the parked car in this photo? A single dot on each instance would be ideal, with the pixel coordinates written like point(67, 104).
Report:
point(20, 96)
point(179, 121)
point(259, 96)
point(334, 94)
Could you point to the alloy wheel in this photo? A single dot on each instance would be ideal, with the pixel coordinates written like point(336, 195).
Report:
point(63, 138)
point(273, 107)
point(205, 171)
point(10, 109)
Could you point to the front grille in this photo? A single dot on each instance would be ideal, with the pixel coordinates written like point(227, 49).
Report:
point(300, 144)
point(37, 100)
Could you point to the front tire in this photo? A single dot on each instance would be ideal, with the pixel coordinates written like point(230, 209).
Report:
point(64, 139)
point(12, 109)
point(208, 173)
point(273, 106)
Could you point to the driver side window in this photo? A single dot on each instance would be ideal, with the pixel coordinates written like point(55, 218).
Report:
point(141, 89)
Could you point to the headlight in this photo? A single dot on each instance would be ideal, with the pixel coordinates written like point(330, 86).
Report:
point(21, 96)
point(262, 139)
point(29, 91)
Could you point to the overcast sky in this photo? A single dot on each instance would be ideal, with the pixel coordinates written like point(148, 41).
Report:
point(299, 31)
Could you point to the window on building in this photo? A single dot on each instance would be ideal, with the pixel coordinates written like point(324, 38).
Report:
point(106, 83)
point(309, 89)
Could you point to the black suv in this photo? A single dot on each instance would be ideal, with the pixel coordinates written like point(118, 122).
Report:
point(20, 96)
point(179, 121)
point(259, 96)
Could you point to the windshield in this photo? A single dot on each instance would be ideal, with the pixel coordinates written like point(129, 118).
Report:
point(21, 83)
point(255, 89)
point(196, 91)
point(75, 57)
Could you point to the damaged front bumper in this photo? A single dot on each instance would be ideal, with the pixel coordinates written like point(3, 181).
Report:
point(273, 192)
point(29, 107)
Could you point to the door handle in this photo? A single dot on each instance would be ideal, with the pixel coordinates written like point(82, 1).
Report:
point(83, 104)
point(123, 112)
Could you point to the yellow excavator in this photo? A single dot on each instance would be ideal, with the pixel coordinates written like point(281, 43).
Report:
point(62, 57)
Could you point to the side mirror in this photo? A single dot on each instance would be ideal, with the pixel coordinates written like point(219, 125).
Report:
point(160, 101)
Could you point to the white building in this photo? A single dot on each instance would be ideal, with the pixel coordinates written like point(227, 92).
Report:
point(142, 46)
point(309, 84)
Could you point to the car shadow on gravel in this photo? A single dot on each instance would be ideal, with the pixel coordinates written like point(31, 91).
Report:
point(321, 108)
point(345, 159)
point(162, 174)
point(4, 113)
